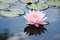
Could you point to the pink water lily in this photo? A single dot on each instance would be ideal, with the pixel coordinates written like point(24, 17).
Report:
point(36, 17)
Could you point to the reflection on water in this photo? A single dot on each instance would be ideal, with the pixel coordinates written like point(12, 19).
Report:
point(19, 36)
point(32, 29)
point(4, 35)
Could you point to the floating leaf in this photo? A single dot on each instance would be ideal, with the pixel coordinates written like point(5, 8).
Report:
point(3, 6)
point(8, 14)
point(17, 11)
point(27, 1)
point(12, 13)
point(39, 6)
point(8, 1)
point(58, 3)
point(51, 3)
point(57, 0)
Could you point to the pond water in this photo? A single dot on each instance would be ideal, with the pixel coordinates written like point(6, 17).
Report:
point(17, 25)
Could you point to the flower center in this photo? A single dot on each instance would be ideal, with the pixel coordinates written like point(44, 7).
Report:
point(35, 16)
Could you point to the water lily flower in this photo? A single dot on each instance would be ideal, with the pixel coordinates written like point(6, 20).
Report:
point(36, 22)
point(36, 17)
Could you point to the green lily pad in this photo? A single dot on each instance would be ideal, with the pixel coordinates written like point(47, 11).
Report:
point(8, 14)
point(8, 1)
point(57, 0)
point(17, 11)
point(27, 1)
point(58, 3)
point(39, 6)
point(3, 6)
point(51, 3)
point(11, 13)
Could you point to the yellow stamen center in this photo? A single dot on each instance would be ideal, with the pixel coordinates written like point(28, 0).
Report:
point(35, 16)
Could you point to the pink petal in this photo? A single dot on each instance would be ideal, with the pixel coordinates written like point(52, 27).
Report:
point(28, 23)
point(34, 20)
point(44, 19)
point(28, 19)
point(33, 12)
point(40, 18)
point(44, 23)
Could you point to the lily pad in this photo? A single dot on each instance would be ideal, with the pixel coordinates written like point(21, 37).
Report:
point(8, 1)
point(11, 13)
point(51, 3)
point(58, 3)
point(8, 14)
point(3, 6)
point(27, 1)
point(17, 11)
point(57, 0)
point(39, 6)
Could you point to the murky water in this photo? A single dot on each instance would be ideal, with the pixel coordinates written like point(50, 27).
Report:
point(11, 26)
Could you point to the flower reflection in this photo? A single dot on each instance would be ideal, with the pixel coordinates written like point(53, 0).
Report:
point(32, 29)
